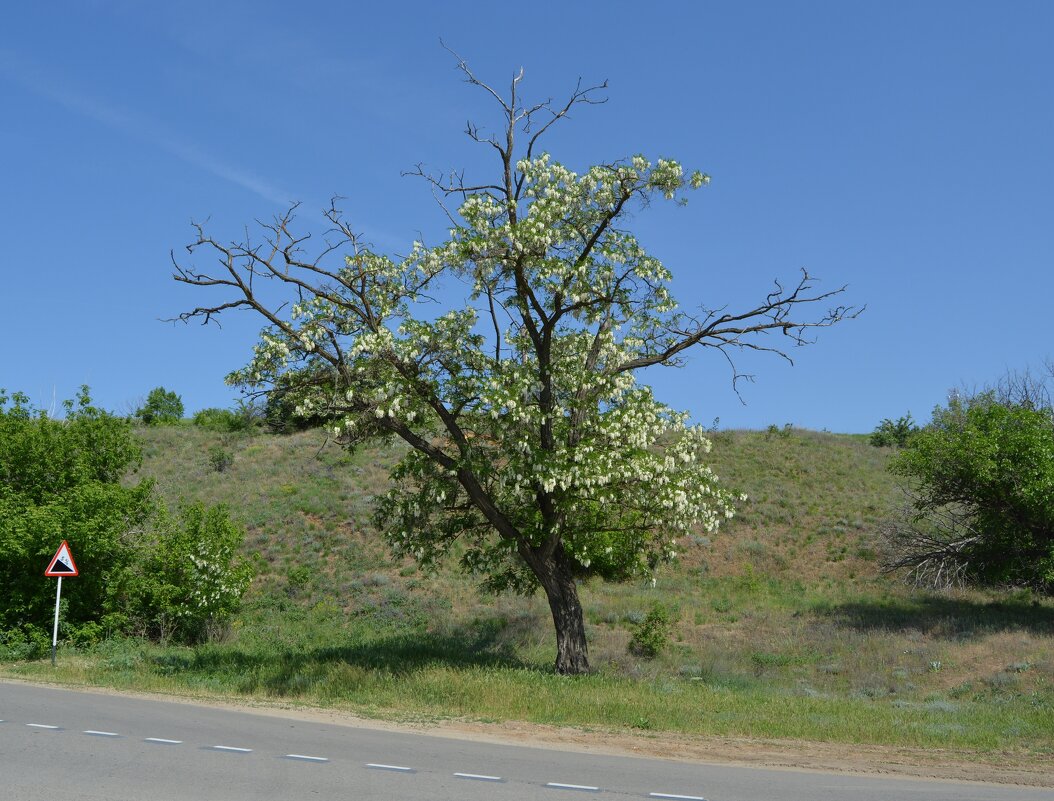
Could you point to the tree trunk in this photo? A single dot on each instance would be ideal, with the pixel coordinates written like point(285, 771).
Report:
point(572, 653)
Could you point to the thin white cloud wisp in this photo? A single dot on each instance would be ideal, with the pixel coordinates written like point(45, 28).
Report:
point(136, 125)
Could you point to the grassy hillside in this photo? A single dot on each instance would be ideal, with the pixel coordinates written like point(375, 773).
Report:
point(783, 624)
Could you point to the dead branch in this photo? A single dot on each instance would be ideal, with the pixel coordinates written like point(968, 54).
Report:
point(724, 331)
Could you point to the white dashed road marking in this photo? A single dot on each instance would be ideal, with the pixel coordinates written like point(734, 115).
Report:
point(562, 786)
point(307, 758)
point(478, 777)
point(482, 777)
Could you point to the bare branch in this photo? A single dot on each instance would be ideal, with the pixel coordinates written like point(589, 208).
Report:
point(723, 331)
point(578, 96)
point(933, 550)
point(471, 78)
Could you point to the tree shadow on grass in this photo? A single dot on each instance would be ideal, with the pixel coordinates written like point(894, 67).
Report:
point(943, 617)
point(292, 671)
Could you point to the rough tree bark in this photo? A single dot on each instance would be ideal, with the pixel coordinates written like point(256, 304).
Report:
point(554, 572)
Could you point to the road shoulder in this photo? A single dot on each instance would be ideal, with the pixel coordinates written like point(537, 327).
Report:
point(944, 764)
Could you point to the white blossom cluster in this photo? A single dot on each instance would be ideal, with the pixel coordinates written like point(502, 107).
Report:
point(213, 587)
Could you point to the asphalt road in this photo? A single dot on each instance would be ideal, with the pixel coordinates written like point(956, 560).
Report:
point(60, 744)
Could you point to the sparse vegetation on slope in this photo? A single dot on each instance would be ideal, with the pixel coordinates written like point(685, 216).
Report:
point(782, 625)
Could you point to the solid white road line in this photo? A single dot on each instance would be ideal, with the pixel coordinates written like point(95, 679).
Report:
point(41, 726)
point(677, 797)
point(162, 740)
point(101, 733)
point(379, 766)
point(561, 786)
point(231, 748)
point(307, 758)
point(478, 777)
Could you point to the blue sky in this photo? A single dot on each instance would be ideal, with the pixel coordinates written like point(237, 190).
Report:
point(904, 149)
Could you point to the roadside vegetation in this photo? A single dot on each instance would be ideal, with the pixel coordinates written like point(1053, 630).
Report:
point(168, 575)
point(782, 625)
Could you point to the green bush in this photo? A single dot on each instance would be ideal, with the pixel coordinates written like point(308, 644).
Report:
point(983, 508)
point(189, 577)
point(61, 479)
point(783, 433)
point(245, 417)
point(652, 635)
point(162, 407)
point(220, 458)
point(23, 644)
point(894, 433)
point(214, 419)
point(66, 479)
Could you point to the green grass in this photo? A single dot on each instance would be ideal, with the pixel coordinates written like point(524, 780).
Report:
point(782, 624)
point(411, 671)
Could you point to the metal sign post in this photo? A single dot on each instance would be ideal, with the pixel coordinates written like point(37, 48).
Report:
point(62, 564)
point(55, 631)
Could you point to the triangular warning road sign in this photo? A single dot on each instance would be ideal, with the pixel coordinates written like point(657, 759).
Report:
point(62, 563)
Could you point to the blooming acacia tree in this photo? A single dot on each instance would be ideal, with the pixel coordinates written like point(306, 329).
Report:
point(531, 441)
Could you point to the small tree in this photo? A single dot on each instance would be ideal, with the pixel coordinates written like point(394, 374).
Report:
point(162, 407)
point(531, 442)
point(982, 507)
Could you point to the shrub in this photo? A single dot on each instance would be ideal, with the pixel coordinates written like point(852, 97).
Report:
point(23, 644)
point(141, 572)
point(213, 419)
point(189, 578)
point(162, 407)
point(62, 479)
point(220, 458)
point(783, 433)
point(245, 417)
point(280, 414)
point(894, 433)
point(983, 505)
point(652, 635)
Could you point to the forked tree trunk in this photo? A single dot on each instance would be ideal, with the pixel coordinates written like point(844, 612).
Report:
point(572, 653)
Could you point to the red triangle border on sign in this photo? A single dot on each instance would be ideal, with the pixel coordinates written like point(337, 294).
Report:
point(52, 573)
